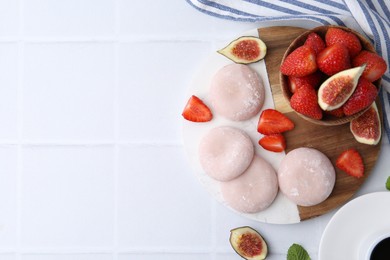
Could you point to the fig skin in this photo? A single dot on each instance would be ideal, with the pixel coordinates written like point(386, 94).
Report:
point(253, 51)
point(235, 239)
point(365, 128)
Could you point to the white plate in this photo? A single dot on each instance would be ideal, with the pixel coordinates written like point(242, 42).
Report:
point(356, 227)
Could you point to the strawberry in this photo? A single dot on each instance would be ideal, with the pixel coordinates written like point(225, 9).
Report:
point(351, 162)
point(333, 59)
point(363, 96)
point(304, 101)
point(274, 143)
point(313, 80)
point(272, 121)
point(196, 111)
point(316, 42)
point(338, 112)
point(348, 39)
point(300, 62)
point(375, 65)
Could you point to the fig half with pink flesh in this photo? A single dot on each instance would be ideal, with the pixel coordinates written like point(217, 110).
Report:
point(337, 89)
point(248, 243)
point(367, 128)
point(245, 50)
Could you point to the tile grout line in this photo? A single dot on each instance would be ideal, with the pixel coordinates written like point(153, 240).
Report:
point(115, 253)
point(19, 182)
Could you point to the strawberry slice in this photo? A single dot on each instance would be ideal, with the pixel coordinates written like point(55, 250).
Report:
point(363, 96)
point(272, 121)
point(305, 101)
point(316, 42)
point(348, 39)
point(313, 80)
point(274, 143)
point(375, 65)
point(197, 111)
point(351, 162)
point(300, 62)
point(334, 59)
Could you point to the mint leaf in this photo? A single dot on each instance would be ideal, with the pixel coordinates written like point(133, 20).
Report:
point(297, 252)
point(388, 183)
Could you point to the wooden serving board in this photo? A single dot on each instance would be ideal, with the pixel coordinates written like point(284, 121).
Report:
point(331, 140)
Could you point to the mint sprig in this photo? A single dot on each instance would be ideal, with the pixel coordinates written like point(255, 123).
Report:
point(388, 183)
point(297, 252)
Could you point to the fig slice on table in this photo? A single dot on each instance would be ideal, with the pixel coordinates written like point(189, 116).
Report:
point(245, 50)
point(367, 128)
point(248, 243)
point(337, 89)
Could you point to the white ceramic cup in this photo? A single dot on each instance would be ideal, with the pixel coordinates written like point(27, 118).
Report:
point(370, 242)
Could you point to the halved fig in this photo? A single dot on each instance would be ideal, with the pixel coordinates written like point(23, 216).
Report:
point(367, 128)
point(336, 90)
point(245, 50)
point(248, 243)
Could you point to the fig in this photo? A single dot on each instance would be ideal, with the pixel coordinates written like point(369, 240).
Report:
point(248, 243)
point(245, 50)
point(367, 127)
point(337, 89)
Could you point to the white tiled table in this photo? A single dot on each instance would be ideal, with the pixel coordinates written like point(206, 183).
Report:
point(92, 165)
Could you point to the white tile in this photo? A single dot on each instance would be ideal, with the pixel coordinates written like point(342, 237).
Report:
point(160, 200)
point(9, 18)
point(164, 256)
point(68, 18)
point(68, 92)
point(67, 257)
point(234, 256)
point(278, 236)
point(8, 197)
point(7, 257)
point(151, 89)
point(176, 19)
point(8, 90)
point(68, 197)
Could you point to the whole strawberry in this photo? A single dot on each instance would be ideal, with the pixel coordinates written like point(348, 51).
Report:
point(334, 59)
point(313, 80)
point(348, 39)
point(316, 42)
point(363, 96)
point(338, 112)
point(304, 101)
point(300, 62)
point(375, 65)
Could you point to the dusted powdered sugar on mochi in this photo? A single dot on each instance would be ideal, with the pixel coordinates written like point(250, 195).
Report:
point(254, 190)
point(225, 153)
point(236, 92)
point(306, 176)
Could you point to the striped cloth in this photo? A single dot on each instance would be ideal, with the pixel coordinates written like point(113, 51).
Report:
point(371, 17)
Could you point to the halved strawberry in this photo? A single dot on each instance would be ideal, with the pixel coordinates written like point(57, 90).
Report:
point(351, 162)
point(300, 62)
point(316, 42)
point(334, 59)
point(274, 143)
point(375, 65)
point(348, 39)
point(363, 96)
point(305, 101)
point(313, 80)
point(197, 111)
point(272, 121)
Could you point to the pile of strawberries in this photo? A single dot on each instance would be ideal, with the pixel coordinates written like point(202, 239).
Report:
point(309, 65)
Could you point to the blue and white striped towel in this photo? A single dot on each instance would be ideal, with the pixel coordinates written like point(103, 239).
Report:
point(373, 17)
